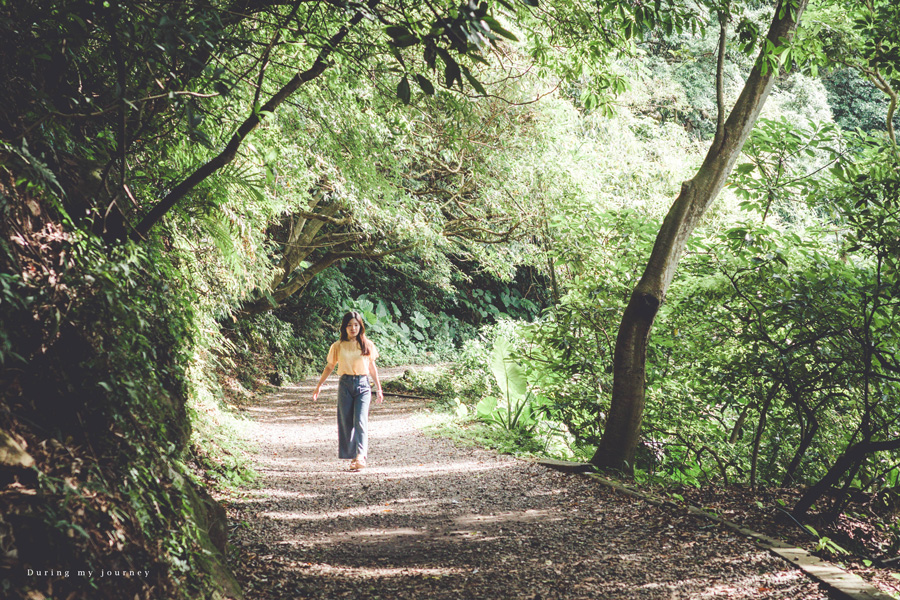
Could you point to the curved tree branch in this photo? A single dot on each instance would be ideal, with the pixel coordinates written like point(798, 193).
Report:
point(251, 123)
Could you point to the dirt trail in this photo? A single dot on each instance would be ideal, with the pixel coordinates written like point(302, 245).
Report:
point(430, 519)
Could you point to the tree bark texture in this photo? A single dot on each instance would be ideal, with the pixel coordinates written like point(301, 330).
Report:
point(622, 431)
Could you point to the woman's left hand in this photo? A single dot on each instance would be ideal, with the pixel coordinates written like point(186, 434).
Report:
point(379, 397)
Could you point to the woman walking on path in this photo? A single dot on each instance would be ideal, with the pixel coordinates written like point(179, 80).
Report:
point(355, 357)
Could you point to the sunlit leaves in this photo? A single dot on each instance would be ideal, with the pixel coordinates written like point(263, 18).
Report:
point(863, 36)
point(786, 161)
point(459, 37)
point(496, 31)
point(867, 194)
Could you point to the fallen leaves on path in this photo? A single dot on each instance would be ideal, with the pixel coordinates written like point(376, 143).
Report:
point(429, 519)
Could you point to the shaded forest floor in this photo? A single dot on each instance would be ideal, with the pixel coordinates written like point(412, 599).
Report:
point(432, 519)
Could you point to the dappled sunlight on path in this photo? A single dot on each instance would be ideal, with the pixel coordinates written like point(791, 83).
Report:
point(432, 519)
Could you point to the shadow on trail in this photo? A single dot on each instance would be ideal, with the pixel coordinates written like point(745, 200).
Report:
point(430, 519)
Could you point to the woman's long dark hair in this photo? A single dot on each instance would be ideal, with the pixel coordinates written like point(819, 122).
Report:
point(361, 339)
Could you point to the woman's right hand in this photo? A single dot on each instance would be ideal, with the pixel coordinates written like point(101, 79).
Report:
point(316, 393)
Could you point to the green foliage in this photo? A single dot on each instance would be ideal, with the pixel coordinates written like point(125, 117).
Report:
point(503, 234)
point(220, 438)
point(856, 102)
point(405, 338)
point(787, 161)
point(517, 408)
point(864, 41)
point(139, 357)
point(757, 369)
point(412, 313)
point(433, 382)
point(454, 387)
point(14, 303)
point(268, 336)
point(826, 544)
point(111, 403)
point(466, 432)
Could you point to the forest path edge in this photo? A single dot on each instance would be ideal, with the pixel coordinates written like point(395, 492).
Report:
point(430, 518)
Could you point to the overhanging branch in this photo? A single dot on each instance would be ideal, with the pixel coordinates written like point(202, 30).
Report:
point(246, 128)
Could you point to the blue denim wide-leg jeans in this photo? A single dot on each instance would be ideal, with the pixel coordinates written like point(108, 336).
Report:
point(354, 396)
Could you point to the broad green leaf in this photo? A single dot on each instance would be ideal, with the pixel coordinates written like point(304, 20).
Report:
point(498, 29)
point(484, 410)
point(397, 31)
point(452, 73)
point(509, 375)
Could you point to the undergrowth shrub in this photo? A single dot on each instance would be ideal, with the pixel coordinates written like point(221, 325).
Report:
point(266, 346)
point(505, 412)
point(94, 389)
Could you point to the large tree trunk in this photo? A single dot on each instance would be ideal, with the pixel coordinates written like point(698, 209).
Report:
point(623, 426)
